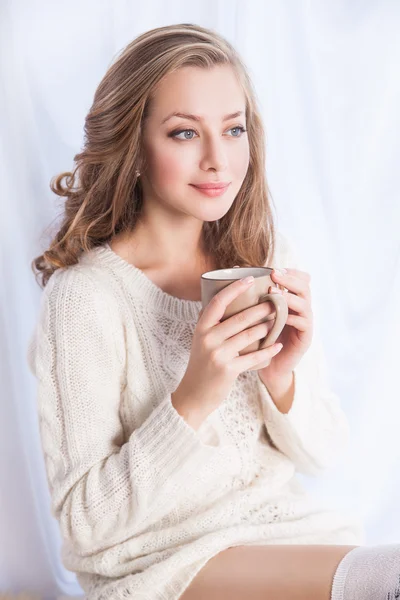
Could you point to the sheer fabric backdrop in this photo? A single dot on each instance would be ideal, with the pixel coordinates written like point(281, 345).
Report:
point(327, 79)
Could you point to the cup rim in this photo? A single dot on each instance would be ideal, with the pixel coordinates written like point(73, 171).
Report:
point(238, 269)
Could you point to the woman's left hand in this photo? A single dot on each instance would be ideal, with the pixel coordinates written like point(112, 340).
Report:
point(296, 335)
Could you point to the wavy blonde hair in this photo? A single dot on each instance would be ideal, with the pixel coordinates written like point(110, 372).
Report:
point(103, 193)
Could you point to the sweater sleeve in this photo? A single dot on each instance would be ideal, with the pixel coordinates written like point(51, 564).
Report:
point(315, 432)
point(103, 491)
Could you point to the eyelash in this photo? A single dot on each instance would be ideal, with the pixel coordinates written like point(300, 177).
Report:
point(173, 134)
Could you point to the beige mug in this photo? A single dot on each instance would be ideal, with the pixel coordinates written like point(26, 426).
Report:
point(214, 281)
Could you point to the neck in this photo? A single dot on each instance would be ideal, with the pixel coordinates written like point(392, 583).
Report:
point(165, 251)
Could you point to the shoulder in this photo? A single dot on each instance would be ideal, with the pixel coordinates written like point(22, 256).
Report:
point(77, 317)
point(85, 280)
point(80, 296)
point(76, 305)
point(74, 284)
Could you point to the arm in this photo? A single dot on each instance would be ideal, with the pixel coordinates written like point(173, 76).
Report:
point(314, 432)
point(103, 491)
point(302, 414)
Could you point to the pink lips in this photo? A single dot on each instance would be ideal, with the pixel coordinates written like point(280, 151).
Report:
point(212, 189)
point(211, 185)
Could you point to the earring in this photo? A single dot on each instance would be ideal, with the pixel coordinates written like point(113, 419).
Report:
point(138, 173)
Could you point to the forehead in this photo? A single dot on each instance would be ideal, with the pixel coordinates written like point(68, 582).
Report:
point(211, 93)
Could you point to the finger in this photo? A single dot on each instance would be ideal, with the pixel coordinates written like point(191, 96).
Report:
point(243, 323)
point(300, 323)
point(295, 284)
point(296, 303)
point(258, 359)
point(243, 338)
point(215, 309)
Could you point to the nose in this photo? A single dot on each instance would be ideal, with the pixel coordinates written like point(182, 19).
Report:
point(214, 157)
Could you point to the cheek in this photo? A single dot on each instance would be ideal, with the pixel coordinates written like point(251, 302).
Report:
point(169, 165)
point(239, 161)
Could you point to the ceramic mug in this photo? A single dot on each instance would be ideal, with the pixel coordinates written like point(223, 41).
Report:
point(214, 281)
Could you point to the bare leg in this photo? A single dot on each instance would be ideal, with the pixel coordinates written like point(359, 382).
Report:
point(298, 572)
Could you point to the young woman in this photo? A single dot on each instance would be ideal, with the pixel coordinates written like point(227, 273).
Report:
point(171, 458)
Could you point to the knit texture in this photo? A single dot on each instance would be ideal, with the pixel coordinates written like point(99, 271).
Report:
point(368, 573)
point(142, 499)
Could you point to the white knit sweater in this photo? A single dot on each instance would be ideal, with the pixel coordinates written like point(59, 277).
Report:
point(142, 499)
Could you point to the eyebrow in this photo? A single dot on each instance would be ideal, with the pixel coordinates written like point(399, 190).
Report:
point(196, 118)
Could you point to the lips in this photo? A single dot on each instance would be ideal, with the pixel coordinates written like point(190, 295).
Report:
point(211, 186)
point(211, 192)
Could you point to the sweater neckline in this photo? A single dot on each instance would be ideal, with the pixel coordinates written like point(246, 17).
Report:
point(180, 307)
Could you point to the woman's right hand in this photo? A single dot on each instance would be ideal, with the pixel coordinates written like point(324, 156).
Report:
point(214, 361)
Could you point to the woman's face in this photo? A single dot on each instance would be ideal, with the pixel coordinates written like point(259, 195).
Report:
point(181, 152)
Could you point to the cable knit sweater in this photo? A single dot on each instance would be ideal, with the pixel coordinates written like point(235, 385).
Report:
point(142, 499)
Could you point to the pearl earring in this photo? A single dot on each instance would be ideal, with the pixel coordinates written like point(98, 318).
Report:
point(138, 173)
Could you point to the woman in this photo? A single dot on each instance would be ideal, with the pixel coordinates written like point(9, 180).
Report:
point(171, 459)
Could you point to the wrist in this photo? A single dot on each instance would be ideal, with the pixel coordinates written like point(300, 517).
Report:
point(281, 390)
point(191, 411)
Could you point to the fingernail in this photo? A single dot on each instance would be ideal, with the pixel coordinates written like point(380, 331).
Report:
point(275, 290)
point(280, 271)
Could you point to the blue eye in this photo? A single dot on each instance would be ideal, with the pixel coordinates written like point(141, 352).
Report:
point(175, 133)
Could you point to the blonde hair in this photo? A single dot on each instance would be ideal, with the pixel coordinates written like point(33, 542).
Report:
point(103, 193)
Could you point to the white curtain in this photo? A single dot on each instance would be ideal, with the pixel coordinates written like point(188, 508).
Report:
point(327, 80)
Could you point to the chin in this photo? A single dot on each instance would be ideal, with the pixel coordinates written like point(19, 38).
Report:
point(210, 219)
point(214, 215)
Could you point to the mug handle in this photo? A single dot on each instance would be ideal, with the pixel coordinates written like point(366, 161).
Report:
point(282, 312)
